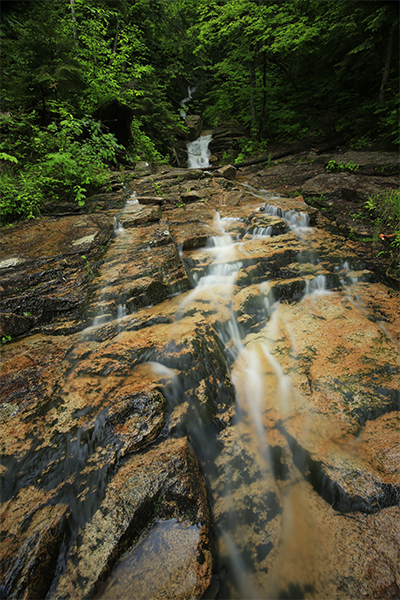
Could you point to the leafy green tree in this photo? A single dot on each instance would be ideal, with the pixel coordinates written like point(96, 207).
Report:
point(38, 66)
point(285, 67)
point(62, 167)
point(282, 68)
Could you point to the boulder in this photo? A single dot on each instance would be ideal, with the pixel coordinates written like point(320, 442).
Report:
point(138, 418)
point(29, 562)
point(365, 160)
point(46, 269)
point(225, 138)
point(164, 484)
point(253, 385)
point(195, 124)
point(12, 325)
point(227, 171)
point(191, 196)
point(150, 199)
point(142, 169)
point(346, 186)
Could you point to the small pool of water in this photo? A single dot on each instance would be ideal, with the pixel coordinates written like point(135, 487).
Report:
point(161, 565)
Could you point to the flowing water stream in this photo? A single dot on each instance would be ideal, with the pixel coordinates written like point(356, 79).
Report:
point(198, 152)
point(240, 472)
point(257, 453)
point(259, 501)
point(191, 90)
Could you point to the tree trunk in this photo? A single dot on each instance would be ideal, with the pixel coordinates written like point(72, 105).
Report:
point(257, 161)
point(264, 102)
point(252, 69)
point(72, 3)
point(386, 71)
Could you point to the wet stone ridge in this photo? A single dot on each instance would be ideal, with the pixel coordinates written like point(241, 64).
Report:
point(200, 378)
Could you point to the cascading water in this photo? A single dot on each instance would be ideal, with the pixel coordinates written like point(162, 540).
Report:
point(199, 153)
point(253, 369)
point(250, 449)
point(246, 482)
point(191, 90)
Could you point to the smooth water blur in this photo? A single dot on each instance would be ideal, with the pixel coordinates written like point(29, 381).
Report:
point(262, 515)
point(198, 152)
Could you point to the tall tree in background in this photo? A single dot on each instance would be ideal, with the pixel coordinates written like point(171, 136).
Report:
point(280, 67)
point(283, 68)
point(38, 64)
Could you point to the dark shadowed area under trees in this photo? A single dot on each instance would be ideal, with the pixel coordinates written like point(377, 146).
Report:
point(90, 85)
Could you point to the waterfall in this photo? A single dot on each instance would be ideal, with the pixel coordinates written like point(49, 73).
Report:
point(243, 479)
point(198, 152)
point(191, 91)
point(261, 365)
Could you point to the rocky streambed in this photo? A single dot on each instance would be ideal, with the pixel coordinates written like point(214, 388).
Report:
point(199, 375)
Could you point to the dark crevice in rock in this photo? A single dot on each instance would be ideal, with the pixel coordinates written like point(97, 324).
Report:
point(317, 473)
point(279, 467)
point(376, 401)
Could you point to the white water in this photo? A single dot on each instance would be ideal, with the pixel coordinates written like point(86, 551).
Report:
point(133, 199)
point(191, 91)
point(198, 152)
point(254, 367)
point(296, 220)
point(261, 385)
point(223, 269)
point(118, 226)
point(316, 286)
point(261, 232)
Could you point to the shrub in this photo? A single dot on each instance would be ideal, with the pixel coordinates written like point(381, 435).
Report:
point(384, 209)
point(334, 166)
point(62, 161)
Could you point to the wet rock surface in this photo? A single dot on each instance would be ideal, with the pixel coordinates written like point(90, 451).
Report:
point(340, 195)
point(197, 379)
point(47, 267)
point(160, 485)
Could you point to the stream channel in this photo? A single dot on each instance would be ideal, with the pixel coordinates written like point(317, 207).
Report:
point(275, 361)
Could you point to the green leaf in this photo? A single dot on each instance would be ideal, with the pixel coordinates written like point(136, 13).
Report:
point(8, 157)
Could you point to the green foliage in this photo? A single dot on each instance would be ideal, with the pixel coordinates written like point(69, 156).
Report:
point(143, 146)
point(158, 188)
point(360, 143)
point(331, 166)
point(384, 208)
point(228, 157)
point(89, 269)
point(253, 148)
point(5, 156)
point(286, 68)
point(281, 69)
point(61, 162)
point(5, 339)
point(21, 197)
point(339, 167)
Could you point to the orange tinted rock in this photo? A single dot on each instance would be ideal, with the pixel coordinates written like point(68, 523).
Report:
point(166, 483)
